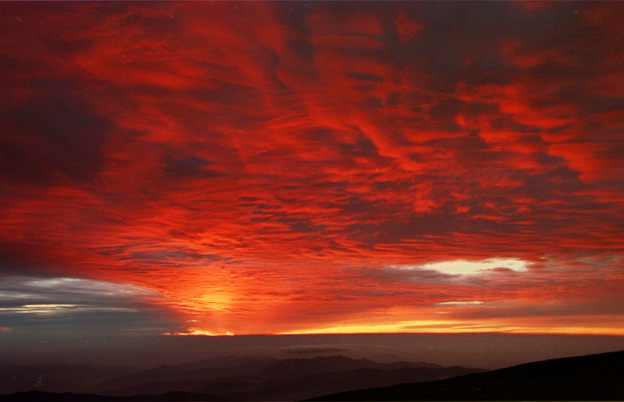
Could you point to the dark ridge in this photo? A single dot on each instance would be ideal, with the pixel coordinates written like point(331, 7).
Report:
point(587, 378)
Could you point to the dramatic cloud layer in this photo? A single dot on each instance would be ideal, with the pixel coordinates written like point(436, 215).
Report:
point(294, 167)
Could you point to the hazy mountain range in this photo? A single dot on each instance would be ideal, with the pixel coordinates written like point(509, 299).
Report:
point(592, 377)
point(224, 378)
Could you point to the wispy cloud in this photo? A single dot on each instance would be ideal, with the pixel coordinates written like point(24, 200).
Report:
point(49, 303)
point(78, 291)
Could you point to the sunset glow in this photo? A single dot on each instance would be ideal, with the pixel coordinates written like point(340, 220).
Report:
point(227, 168)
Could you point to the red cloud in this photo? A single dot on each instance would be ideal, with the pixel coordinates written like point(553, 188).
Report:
point(264, 165)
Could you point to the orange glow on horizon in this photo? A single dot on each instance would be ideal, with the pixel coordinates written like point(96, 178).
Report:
point(198, 332)
point(466, 328)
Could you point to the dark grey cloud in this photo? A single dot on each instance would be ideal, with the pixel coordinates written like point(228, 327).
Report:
point(18, 290)
point(403, 274)
point(60, 134)
point(189, 167)
point(65, 303)
point(176, 254)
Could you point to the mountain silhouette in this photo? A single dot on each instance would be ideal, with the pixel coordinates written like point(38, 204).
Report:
point(269, 379)
point(291, 368)
point(247, 378)
point(185, 377)
point(319, 383)
point(592, 377)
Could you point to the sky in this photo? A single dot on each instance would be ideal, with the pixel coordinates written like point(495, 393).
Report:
point(236, 168)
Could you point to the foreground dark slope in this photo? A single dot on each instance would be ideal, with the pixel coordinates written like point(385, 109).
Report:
point(593, 377)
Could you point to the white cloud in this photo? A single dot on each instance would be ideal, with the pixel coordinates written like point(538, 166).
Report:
point(80, 286)
point(464, 267)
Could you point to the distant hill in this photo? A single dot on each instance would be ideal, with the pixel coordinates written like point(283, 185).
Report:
point(588, 378)
point(184, 377)
point(292, 368)
point(269, 379)
point(320, 383)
